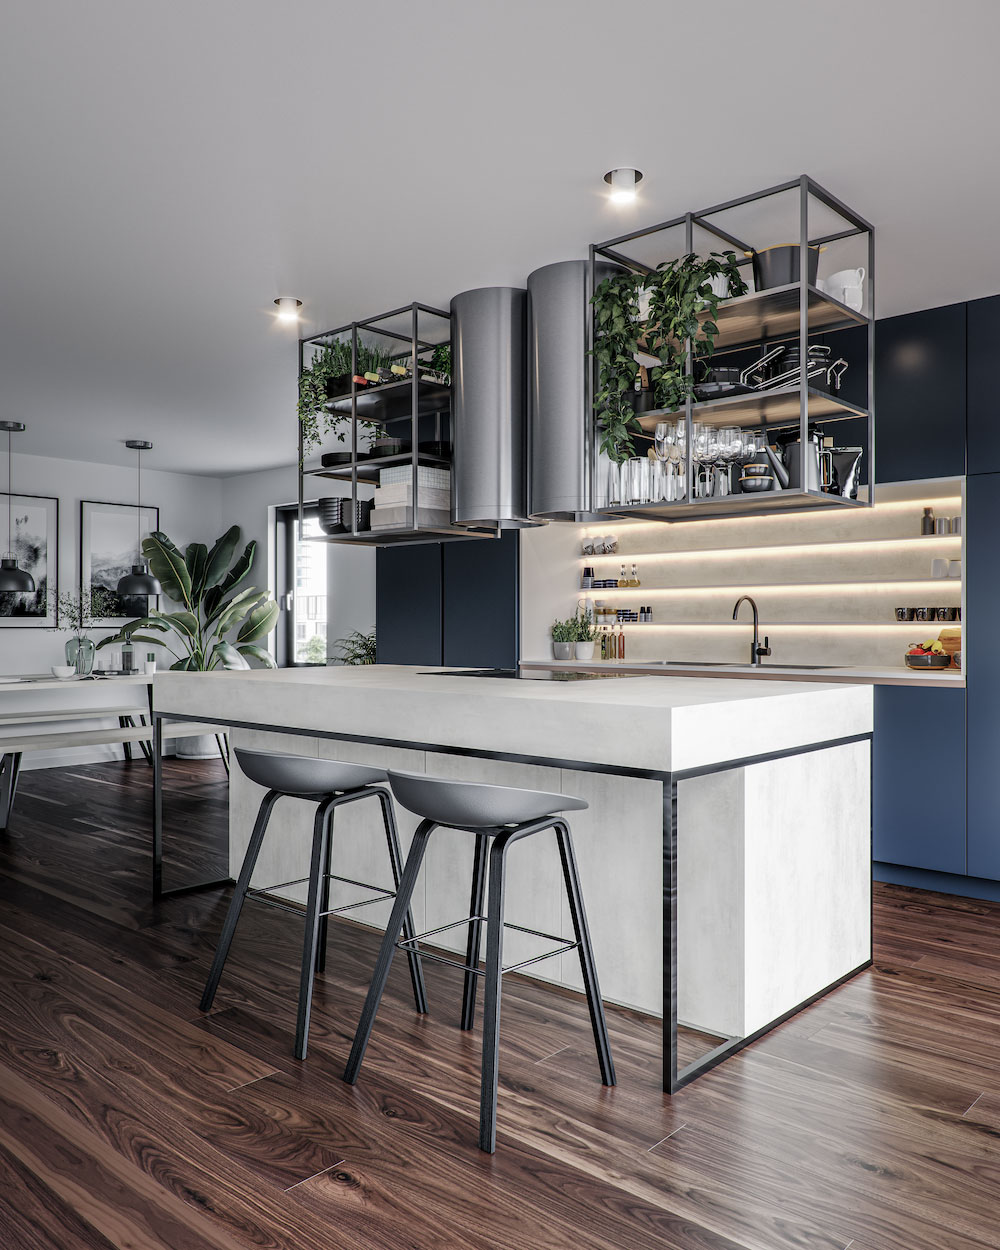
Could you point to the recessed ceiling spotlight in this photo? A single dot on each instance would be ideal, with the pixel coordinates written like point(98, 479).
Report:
point(623, 184)
point(288, 309)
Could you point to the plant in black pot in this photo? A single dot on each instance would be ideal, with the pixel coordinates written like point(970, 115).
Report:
point(328, 376)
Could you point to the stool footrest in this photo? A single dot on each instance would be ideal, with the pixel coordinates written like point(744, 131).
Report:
point(264, 895)
point(411, 944)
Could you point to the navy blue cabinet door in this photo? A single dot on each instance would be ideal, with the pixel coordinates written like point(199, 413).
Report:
point(979, 655)
point(984, 395)
point(481, 602)
point(919, 777)
point(408, 604)
point(920, 377)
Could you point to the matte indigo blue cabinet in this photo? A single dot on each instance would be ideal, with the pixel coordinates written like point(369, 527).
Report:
point(919, 777)
point(983, 390)
point(408, 604)
point(481, 612)
point(980, 648)
point(920, 378)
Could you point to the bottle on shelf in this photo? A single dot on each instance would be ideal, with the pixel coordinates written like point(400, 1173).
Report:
point(634, 579)
point(587, 580)
point(621, 644)
point(399, 372)
point(622, 579)
point(927, 524)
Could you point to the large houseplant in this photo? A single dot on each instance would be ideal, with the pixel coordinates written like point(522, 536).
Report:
point(683, 296)
point(202, 583)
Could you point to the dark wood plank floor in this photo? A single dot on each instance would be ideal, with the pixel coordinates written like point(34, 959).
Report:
point(127, 1119)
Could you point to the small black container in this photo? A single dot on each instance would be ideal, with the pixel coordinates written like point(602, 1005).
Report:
point(330, 515)
point(778, 266)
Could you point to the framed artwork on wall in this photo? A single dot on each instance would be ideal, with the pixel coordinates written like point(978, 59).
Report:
point(109, 539)
point(34, 523)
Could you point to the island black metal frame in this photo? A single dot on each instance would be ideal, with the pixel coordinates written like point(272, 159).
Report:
point(674, 1078)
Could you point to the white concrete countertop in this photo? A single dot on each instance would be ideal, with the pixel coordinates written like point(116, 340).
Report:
point(19, 683)
point(901, 676)
point(661, 723)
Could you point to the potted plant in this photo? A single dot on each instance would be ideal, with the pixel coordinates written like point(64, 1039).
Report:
point(203, 583)
point(682, 296)
point(586, 636)
point(328, 376)
point(82, 611)
point(563, 637)
point(356, 648)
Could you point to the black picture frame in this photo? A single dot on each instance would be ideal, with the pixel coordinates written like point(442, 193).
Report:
point(113, 561)
point(15, 610)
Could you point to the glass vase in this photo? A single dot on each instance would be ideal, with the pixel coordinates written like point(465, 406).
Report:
point(85, 657)
point(72, 650)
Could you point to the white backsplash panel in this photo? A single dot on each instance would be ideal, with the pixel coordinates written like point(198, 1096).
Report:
point(827, 586)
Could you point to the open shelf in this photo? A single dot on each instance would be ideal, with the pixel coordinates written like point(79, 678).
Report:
point(400, 537)
point(774, 314)
point(392, 401)
point(771, 408)
point(368, 469)
point(874, 583)
point(771, 626)
point(732, 505)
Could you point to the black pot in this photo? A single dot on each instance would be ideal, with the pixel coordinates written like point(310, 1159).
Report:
point(331, 459)
point(330, 514)
point(779, 266)
point(720, 381)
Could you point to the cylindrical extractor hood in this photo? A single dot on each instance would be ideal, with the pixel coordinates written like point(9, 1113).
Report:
point(488, 403)
point(559, 443)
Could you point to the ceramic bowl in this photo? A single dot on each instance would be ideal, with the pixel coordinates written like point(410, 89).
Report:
point(62, 671)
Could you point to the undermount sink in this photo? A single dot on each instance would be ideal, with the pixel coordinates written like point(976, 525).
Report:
point(738, 664)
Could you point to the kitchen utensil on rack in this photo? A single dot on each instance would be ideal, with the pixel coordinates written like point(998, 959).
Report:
point(818, 464)
point(719, 381)
point(330, 515)
point(756, 484)
point(779, 265)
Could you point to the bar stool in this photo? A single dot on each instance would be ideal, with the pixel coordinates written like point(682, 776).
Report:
point(330, 784)
point(506, 815)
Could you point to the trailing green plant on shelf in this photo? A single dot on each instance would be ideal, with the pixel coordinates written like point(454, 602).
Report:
point(356, 648)
point(330, 369)
point(201, 583)
point(564, 631)
point(682, 306)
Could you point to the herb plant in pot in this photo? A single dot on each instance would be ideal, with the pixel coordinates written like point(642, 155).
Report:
point(563, 638)
point(586, 636)
point(328, 376)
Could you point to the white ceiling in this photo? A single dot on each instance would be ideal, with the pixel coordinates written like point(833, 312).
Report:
point(167, 170)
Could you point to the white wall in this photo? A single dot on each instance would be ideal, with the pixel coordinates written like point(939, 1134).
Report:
point(249, 501)
point(190, 511)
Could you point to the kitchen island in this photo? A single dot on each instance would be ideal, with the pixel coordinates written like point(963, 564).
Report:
point(725, 854)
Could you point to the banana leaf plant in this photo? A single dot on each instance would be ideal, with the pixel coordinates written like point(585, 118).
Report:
point(202, 583)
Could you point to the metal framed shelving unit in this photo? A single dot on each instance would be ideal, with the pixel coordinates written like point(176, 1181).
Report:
point(412, 332)
point(760, 319)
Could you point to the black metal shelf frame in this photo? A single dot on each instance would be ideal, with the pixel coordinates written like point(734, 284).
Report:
point(790, 312)
point(408, 399)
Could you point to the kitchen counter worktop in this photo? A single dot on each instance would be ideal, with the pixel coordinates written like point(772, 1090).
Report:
point(661, 722)
point(901, 676)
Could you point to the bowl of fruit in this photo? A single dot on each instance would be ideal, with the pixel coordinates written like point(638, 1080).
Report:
point(929, 654)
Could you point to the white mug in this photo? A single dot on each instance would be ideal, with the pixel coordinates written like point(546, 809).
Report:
point(845, 277)
point(939, 568)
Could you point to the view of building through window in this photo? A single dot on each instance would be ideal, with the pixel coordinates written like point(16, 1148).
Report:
point(309, 599)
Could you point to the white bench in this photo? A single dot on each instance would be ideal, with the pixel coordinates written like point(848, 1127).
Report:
point(15, 741)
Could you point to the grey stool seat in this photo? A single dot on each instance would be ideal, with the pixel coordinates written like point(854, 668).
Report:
point(305, 774)
point(472, 805)
point(504, 815)
point(330, 784)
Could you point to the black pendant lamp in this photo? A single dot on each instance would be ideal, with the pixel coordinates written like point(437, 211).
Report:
point(140, 581)
point(12, 579)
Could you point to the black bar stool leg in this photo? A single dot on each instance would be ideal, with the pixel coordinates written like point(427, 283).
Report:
point(238, 899)
point(324, 920)
point(475, 929)
point(581, 932)
point(386, 951)
point(409, 928)
point(491, 995)
point(320, 854)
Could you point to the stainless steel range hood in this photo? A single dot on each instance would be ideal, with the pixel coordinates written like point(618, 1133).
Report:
point(489, 397)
